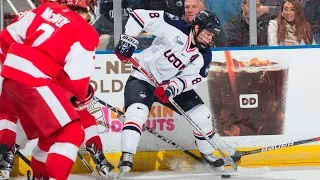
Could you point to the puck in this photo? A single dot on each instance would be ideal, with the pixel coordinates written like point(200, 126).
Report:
point(225, 176)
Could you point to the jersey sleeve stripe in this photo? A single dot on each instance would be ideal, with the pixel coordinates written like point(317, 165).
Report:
point(79, 62)
point(136, 17)
point(18, 33)
point(183, 83)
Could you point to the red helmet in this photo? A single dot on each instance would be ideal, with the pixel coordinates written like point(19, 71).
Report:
point(46, 1)
point(62, 1)
point(87, 4)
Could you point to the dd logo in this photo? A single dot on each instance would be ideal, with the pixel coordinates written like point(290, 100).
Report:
point(248, 100)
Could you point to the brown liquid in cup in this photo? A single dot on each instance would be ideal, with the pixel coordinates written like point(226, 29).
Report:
point(256, 106)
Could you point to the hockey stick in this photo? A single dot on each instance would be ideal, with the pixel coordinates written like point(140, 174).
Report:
point(158, 135)
point(25, 159)
point(88, 166)
point(228, 159)
point(279, 146)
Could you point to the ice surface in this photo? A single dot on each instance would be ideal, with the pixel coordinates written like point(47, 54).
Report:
point(293, 173)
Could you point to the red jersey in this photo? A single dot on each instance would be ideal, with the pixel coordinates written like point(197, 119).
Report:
point(50, 43)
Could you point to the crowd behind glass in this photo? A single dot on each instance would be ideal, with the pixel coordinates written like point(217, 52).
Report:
point(279, 22)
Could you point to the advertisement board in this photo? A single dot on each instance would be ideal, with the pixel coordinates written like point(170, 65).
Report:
point(299, 110)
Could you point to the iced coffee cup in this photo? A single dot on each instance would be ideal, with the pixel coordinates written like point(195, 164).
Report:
point(251, 99)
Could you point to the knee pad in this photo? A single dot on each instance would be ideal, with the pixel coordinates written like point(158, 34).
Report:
point(202, 117)
point(136, 115)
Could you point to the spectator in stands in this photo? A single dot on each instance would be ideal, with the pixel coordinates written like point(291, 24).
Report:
point(192, 8)
point(235, 32)
point(291, 26)
point(312, 13)
point(224, 9)
point(271, 7)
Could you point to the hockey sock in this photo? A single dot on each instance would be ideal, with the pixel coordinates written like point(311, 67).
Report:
point(90, 127)
point(63, 153)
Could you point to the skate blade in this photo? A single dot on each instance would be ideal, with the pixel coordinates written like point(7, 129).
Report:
point(220, 169)
point(4, 174)
point(107, 175)
point(123, 171)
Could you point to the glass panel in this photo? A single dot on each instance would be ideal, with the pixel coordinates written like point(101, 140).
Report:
point(105, 23)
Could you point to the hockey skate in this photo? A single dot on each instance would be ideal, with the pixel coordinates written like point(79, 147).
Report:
point(6, 162)
point(126, 164)
point(103, 166)
point(217, 163)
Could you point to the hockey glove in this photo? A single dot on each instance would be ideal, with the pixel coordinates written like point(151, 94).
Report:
point(80, 105)
point(165, 90)
point(125, 47)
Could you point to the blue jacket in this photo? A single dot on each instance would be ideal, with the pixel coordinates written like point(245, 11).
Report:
point(224, 9)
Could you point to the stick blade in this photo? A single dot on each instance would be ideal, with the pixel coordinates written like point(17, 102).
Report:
point(253, 171)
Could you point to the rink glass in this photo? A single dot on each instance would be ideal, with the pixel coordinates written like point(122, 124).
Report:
point(255, 104)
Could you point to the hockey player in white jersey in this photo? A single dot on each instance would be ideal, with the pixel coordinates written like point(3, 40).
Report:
point(179, 59)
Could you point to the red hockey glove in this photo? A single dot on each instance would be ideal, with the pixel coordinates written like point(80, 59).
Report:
point(125, 47)
point(166, 90)
point(80, 105)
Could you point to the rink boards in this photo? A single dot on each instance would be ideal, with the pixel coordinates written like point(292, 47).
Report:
point(301, 115)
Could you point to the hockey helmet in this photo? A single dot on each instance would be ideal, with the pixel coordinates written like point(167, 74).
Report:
point(87, 4)
point(205, 20)
point(46, 1)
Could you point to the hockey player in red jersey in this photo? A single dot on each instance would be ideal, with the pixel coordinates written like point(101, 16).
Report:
point(36, 69)
point(92, 140)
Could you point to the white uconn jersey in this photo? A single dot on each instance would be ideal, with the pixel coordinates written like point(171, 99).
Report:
point(170, 54)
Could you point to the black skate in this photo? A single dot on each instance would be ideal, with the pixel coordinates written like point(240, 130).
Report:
point(6, 162)
point(126, 163)
point(30, 177)
point(103, 166)
point(213, 161)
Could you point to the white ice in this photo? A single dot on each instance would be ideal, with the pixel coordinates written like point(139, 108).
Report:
point(292, 173)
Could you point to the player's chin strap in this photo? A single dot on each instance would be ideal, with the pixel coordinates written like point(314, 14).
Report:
point(227, 159)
